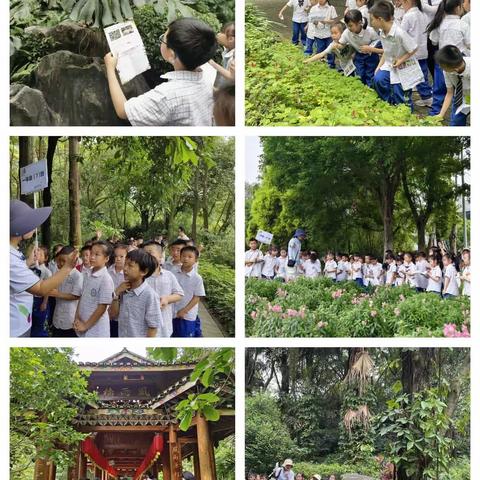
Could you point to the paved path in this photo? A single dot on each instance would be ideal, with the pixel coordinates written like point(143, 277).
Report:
point(210, 327)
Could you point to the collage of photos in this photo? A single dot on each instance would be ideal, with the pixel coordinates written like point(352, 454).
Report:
point(265, 293)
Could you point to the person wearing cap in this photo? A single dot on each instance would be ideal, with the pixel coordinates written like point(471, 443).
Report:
point(285, 472)
point(188, 476)
point(294, 249)
point(24, 284)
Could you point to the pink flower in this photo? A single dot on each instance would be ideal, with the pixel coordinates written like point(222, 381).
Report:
point(402, 297)
point(397, 311)
point(449, 330)
point(337, 293)
point(253, 314)
point(373, 313)
point(291, 313)
point(276, 308)
point(322, 324)
point(301, 312)
point(465, 333)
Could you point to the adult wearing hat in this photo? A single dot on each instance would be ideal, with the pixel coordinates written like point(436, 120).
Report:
point(285, 472)
point(23, 282)
point(188, 476)
point(294, 249)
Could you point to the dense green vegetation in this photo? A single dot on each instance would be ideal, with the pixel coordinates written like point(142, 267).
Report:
point(322, 308)
point(281, 90)
point(356, 410)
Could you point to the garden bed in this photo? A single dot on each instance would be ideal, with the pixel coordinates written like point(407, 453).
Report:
point(322, 308)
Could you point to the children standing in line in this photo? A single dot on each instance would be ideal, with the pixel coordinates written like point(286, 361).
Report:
point(186, 322)
point(434, 275)
point(312, 266)
point(166, 286)
point(67, 296)
point(118, 277)
point(253, 260)
point(299, 19)
point(269, 263)
point(281, 266)
point(330, 269)
point(391, 274)
point(398, 47)
point(136, 304)
point(91, 317)
point(342, 268)
point(450, 285)
point(173, 262)
point(376, 270)
point(357, 269)
point(422, 267)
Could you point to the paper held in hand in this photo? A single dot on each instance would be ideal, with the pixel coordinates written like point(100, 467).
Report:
point(348, 68)
point(126, 44)
point(410, 74)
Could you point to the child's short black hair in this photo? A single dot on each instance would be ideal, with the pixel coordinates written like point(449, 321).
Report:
point(193, 41)
point(155, 244)
point(85, 248)
point(227, 26)
point(421, 254)
point(354, 16)
point(382, 9)
point(390, 256)
point(67, 250)
point(449, 56)
point(178, 241)
point(313, 256)
point(145, 261)
point(224, 106)
point(253, 240)
point(121, 246)
point(189, 248)
point(106, 246)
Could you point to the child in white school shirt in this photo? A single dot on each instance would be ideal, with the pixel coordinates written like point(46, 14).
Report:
point(410, 270)
point(450, 285)
point(330, 268)
point(357, 269)
point(281, 266)
point(325, 16)
point(253, 260)
point(401, 271)
point(312, 266)
point(465, 275)
point(422, 266)
point(186, 99)
point(299, 19)
point(391, 273)
point(342, 267)
point(269, 263)
point(376, 269)
point(434, 275)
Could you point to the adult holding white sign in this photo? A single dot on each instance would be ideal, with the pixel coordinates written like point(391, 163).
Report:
point(24, 220)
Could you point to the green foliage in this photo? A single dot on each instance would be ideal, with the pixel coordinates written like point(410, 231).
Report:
point(225, 459)
point(281, 90)
point(459, 470)
point(325, 469)
point(322, 308)
point(416, 428)
point(47, 390)
point(219, 284)
point(218, 248)
point(267, 439)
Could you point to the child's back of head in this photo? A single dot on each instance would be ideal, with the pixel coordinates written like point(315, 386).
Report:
point(193, 41)
point(224, 106)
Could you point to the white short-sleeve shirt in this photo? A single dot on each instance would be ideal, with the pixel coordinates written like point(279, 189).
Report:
point(330, 265)
point(410, 274)
point(282, 267)
point(430, 10)
point(351, 4)
point(139, 311)
point(117, 277)
point(466, 18)
point(377, 272)
point(312, 269)
point(452, 31)
point(325, 12)
point(422, 266)
point(435, 286)
point(192, 285)
point(451, 79)
point(357, 270)
point(451, 273)
point(341, 271)
point(401, 277)
point(392, 269)
point(466, 284)
point(185, 100)
point(256, 269)
point(396, 44)
point(367, 36)
point(21, 302)
point(415, 23)
point(165, 284)
point(300, 7)
point(64, 313)
point(268, 265)
point(97, 290)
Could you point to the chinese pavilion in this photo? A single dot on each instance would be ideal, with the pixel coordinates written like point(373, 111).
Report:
point(133, 428)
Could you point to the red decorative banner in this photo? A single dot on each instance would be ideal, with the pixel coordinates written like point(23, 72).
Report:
point(91, 451)
point(153, 453)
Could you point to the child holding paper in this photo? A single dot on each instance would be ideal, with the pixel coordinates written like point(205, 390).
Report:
point(186, 99)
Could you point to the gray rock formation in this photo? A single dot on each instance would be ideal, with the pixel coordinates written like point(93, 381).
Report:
point(28, 107)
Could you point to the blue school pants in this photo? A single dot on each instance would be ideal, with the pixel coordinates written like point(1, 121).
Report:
point(359, 282)
point(322, 44)
point(424, 89)
point(439, 91)
point(449, 296)
point(392, 94)
point(457, 119)
point(299, 31)
point(186, 328)
point(365, 65)
point(309, 46)
point(39, 319)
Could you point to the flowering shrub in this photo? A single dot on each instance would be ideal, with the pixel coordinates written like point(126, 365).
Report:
point(322, 308)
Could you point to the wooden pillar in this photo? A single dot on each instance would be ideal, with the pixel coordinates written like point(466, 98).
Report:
point(82, 466)
point(196, 461)
point(175, 455)
point(205, 450)
point(40, 471)
point(166, 459)
point(52, 471)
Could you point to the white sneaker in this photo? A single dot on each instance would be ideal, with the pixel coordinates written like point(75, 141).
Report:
point(424, 103)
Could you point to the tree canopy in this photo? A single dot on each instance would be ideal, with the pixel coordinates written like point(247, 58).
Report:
point(361, 193)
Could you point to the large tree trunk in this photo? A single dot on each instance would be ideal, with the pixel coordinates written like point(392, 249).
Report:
point(421, 227)
point(75, 231)
point(25, 157)
point(387, 214)
point(145, 220)
point(47, 193)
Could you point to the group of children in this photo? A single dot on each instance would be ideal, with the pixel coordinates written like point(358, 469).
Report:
point(395, 47)
point(120, 290)
point(185, 98)
point(442, 273)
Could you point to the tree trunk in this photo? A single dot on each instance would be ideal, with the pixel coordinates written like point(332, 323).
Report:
point(421, 227)
point(453, 239)
point(47, 193)
point(285, 371)
point(25, 157)
point(387, 214)
point(75, 231)
point(145, 220)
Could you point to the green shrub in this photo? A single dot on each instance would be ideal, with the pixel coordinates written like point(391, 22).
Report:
point(326, 469)
point(459, 470)
point(219, 284)
point(218, 248)
point(322, 308)
point(281, 90)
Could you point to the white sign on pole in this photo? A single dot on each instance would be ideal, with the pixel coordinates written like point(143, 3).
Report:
point(34, 177)
point(264, 237)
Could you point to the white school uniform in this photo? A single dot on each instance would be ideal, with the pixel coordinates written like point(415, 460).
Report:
point(451, 273)
point(351, 4)
point(396, 44)
point(398, 14)
point(268, 265)
point(97, 290)
point(348, 270)
point(435, 286)
point(422, 266)
point(415, 23)
point(367, 36)
point(117, 277)
point(367, 274)
point(430, 10)
point(365, 14)
point(192, 285)
point(411, 277)
point(466, 18)
point(341, 271)
point(64, 313)
point(325, 12)
point(357, 270)
point(330, 265)
point(282, 267)
point(377, 272)
point(401, 275)
point(300, 14)
point(392, 270)
point(252, 270)
point(312, 269)
point(452, 31)
point(451, 78)
point(466, 283)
